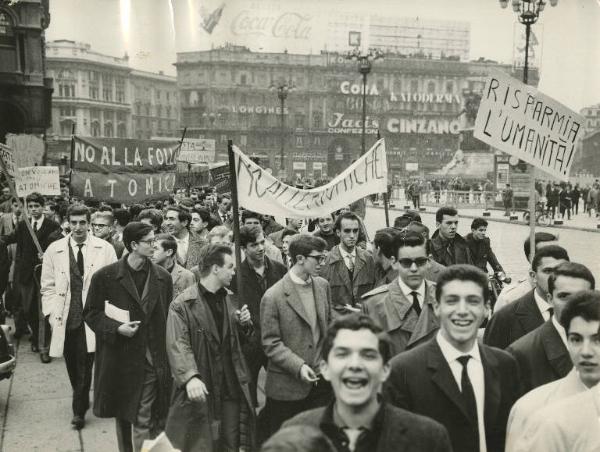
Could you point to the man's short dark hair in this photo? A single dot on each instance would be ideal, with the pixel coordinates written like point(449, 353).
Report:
point(212, 255)
point(355, 322)
point(204, 214)
point(122, 216)
point(584, 304)
point(77, 210)
point(401, 222)
point(570, 269)
point(413, 215)
point(221, 197)
point(554, 251)
point(345, 216)
point(384, 240)
point(249, 214)
point(182, 214)
point(134, 211)
point(285, 232)
point(153, 215)
point(105, 208)
point(462, 272)
point(35, 197)
point(477, 223)
point(304, 244)
point(249, 234)
point(167, 242)
point(450, 211)
point(134, 232)
point(408, 239)
point(540, 237)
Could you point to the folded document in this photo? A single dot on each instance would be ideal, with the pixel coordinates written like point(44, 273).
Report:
point(118, 314)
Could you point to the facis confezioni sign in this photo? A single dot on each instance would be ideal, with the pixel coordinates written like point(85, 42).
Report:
point(342, 125)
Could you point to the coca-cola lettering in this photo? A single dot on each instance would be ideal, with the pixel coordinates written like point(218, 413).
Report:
point(288, 25)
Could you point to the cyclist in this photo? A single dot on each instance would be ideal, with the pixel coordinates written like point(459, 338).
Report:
point(480, 247)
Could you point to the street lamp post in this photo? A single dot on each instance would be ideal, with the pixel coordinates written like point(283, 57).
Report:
point(365, 63)
point(528, 12)
point(282, 89)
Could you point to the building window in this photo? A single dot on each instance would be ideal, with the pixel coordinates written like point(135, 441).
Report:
point(431, 87)
point(449, 87)
point(243, 140)
point(317, 119)
point(316, 140)
point(8, 44)
point(243, 79)
point(299, 120)
point(299, 141)
point(414, 86)
point(107, 91)
point(120, 89)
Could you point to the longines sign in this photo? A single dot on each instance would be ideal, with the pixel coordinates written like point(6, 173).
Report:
point(259, 109)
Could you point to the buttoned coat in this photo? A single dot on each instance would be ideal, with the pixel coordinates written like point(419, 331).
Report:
point(343, 290)
point(513, 321)
point(56, 286)
point(421, 381)
point(182, 279)
point(120, 360)
point(392, 311)
point(193, 347)
point(442, 255)
point(287, 336)
point(542, 356)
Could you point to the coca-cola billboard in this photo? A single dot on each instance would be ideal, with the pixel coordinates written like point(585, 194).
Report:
point(286, 25)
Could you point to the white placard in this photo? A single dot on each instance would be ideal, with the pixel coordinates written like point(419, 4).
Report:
point(39, 179)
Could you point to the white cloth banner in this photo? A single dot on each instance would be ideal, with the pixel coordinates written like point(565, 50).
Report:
point(521, 121)
point(261, 192)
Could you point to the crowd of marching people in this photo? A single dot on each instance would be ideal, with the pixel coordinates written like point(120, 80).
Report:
point(329, 340)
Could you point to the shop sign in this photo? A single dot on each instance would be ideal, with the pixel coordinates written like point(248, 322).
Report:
point(347, 87)
point(342, 125)
point(425, 98)
point(259, 109)
point(423, 126)
point(299, 166)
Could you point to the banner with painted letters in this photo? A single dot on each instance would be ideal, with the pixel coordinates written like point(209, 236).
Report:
point(521, 121)
point(123, 170)
point(260, 191)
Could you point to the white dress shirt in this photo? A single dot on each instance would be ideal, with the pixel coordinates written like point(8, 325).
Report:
point(407, 291)
point(347, 256)
point(542, 305)
point(475, 371)
point(561, 331)
point(84, 249)
point(37, 223)
point(182, 248)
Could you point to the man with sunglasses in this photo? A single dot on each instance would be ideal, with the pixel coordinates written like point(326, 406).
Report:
point(349, 269)
point(295, 313)
point(404, 308)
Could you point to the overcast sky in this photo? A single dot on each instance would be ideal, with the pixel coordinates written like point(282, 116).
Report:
point(152, 31)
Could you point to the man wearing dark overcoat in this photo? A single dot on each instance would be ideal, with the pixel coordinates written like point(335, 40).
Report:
point(127, 308)
point(211, 408)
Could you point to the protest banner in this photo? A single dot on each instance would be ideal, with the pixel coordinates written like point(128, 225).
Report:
point(519, 120)
point(197, 150)
point(220, 179)
point(123, 170)
point(6, 154)
point(39, 179)
point(263, 193)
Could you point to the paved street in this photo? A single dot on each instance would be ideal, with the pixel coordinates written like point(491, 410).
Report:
point(35, 404)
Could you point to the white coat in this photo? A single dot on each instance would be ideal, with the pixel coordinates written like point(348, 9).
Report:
point(56, 286)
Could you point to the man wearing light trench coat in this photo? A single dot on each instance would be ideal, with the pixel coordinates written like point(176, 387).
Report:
point(64, 291)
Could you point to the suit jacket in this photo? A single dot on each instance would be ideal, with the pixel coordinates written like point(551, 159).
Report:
point(513, 321)
point(482, 254)
point(287, 336)
point(542, 356)
point(522, 422)
point(120, 360)
point(401, 430)
point(569, 425)
point(421, 381)
point(392, 311)
point(56, 286)
point(182, 279)
point(343, 290)
point(441, 254)
point(26, 257)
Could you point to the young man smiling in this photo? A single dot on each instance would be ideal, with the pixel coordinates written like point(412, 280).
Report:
point(355, 360)
point(581, 320)
point(467, 387)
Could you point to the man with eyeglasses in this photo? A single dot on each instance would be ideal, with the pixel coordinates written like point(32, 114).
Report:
point(295, 313)
point(127, 308)
point(67, 270)
point(404, 308)
point(102, 222)
point(349, 269)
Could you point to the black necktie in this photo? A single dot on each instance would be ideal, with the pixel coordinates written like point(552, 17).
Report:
point(551, 311)
point(35, 226)
point(467, 389)
point(415, 304)
point(80, 258)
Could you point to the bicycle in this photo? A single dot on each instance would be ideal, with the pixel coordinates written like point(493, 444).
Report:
point(541, 217)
